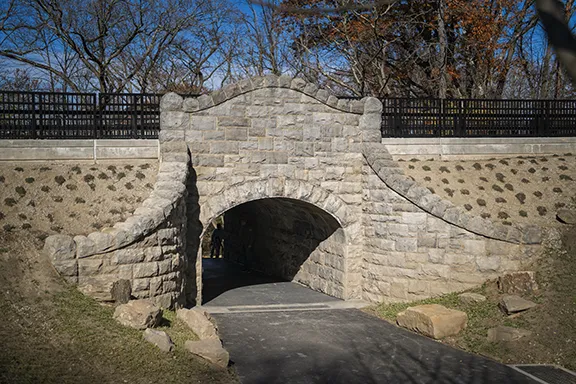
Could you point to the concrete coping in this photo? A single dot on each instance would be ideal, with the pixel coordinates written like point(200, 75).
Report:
point(169, 188)
point(172, 102)
point(387, 169)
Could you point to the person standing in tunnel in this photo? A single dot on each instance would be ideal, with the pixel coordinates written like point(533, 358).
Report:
point(216, 241)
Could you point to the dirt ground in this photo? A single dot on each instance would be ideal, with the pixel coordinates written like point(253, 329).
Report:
point(51, 333)
point(514, 190)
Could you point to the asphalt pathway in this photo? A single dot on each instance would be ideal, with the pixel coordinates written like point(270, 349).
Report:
point(275, 335)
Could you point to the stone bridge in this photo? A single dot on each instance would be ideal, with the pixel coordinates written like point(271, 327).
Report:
point(325, 202)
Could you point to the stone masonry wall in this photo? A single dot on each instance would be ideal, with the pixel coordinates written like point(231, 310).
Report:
point(280, 137)
point(148, 249)
point(275, 137)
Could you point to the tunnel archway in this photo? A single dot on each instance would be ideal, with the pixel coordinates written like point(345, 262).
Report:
point(316, 235)
point(280, 239)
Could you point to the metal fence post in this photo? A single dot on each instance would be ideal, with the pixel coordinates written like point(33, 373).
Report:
point(34, 123)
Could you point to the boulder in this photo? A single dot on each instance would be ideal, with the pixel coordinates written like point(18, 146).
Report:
point(159, 339)
point(139, 314)
point(200, 322)
point(121, 291)
point(513, 304)
point(567, 216)
point(60, 248)
point(433, 320)
point(503, 333)
point(523, 283)
point(471, 298)
point(210, 350)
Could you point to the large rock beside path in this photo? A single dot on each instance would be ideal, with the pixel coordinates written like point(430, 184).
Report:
point(210, 350)
point(433, 320)
point(199, 322)
point(503, 333)
point(159, 339)
point(513, 304)
point(139, 314)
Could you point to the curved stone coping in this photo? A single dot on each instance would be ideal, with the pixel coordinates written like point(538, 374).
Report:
point(393, 176)
point(276, 188)
point(169, 188)
point(172, 102)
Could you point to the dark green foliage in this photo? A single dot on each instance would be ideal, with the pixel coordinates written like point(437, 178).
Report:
point(468, 207)
point(45, 188)
point(464, 191)
point(88, 178)
point(525, 181)
point(545, 178)
point(19, 169)
point(50, 217)
point(139, 175)
point(431, 189)
point(559, 205)
point(26, 226)
point(103, 176)
point(92, 186)
point(129, 167)
point(514, 171)
point(484, 179)
point(501, 200)
point(531, 170)
point(145, 166)
point(521, 197)
point(411, 166)
point(112, 168)
point(8, 227)
point(477, 166)
point(503, 162)
point(565, 177)
point(459, 167)
point(445, 181)
point(427, 178)
point(128, 186)
point(76, 169)
point(523, 213)
point(57, 199)
point(503, 215)
point(59, 180)
point(44, 169)
point(538, 194)
point(557, 189)
point(542, 210)
point(111, 187)
point(120, 175)
point(22, 216)
point(426, 168)
point(485, 215)
point(490, 166)
point(29, 180)
point(449, 191)
point(461, 181)
point(79, 200)
point(563, 167)
point(509, 186)
point(481, 202)
point(500, 177)
point(71, 187)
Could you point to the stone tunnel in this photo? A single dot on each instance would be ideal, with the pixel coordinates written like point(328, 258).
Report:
point(328, 206)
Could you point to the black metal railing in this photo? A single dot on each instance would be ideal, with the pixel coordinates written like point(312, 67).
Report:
point(478, 118)
point(45, 115)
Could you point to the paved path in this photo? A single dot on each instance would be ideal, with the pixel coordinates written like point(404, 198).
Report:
point(269, 344)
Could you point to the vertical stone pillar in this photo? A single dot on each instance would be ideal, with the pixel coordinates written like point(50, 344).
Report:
point(173, 120)
point(371, 120)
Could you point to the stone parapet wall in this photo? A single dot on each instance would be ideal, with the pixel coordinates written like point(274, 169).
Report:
point(147, 249)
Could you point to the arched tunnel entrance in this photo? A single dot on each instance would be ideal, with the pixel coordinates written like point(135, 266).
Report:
point(273, 241)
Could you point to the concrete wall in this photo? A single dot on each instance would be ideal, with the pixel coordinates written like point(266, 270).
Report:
point(477, 148)
point(82, 150)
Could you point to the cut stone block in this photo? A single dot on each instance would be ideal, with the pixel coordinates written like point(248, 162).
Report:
point(513, 304)
point(522, 283)
point(471, 298)
point(210, 350)
point(433, 320)
point(159, 339)
point(139, 314)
